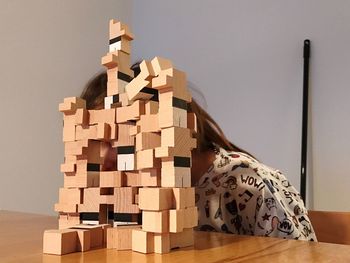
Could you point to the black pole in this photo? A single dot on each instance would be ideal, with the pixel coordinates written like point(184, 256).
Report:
point(305, 119)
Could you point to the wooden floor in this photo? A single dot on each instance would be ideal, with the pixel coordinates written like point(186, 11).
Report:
point(21, 241)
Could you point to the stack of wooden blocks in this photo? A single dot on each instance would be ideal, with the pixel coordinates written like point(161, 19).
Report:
point(143, 200)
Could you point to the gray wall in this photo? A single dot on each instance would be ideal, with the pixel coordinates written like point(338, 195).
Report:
point(48, 50)
point(246, 57)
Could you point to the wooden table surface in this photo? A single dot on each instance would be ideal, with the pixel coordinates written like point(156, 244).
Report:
point(21, 241)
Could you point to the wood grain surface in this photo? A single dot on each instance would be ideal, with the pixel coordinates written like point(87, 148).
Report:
point(21, 241)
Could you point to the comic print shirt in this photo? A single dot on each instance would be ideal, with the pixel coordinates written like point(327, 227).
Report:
point(240, 195)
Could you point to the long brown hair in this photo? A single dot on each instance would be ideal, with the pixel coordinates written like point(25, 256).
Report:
point(208, 131)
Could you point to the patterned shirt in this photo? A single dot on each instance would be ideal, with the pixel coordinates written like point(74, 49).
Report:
point(240, 195)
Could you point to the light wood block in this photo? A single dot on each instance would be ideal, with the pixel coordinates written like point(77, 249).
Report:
point(161, 243)
point(156, 199)
point(124, 200)
point(60, 242)
point(83, 240)
point(142, 241)
point(147, 140)
point(177, 220)
point(155, 221)
point(120, 237)
point(96, 234)
point(132, 112)
point(112, 179)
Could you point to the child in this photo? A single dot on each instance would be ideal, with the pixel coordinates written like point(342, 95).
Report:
point(235, 193)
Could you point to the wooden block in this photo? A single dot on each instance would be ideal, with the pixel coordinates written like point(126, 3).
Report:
point(82, 116)
point(116, 86)
point(182, 239)
point(159, 64)
point(155, 221)
point(137, 199)
point(124, 200)
point(147, 140)
point(191, 217)
point(126, 162)
point(172, 117)
point(112, 179)
point(68, 132)
point(71, 104)
point(151, 107)
point(184, 197)
point(156, 199)
point(133, 178)
point(133, 89)
point(105, 228)
point(83, 240)
point(75, 148)
point(91, 201)
point(89, 179)
point(67, 220)
point(96, 234)
point(132, 112)
point(192, 121)
point(121, 43)
point(166, 151)
point(177, 220)
point(135, 130)
point(150, 177)
point(120, 237)
point(176, 177)
point(102, 116)
point(146, 70)
point(124, 136)
point(118, 59)
point(177, 137)
point(142, 241)
point(146, 159)
point(124, 99)
point(84, 166)
point(161, 243)
point(67, 168)
point(60, 242)
point(70, 196)
point(117, 29)
point(149, 123)
point(66, 208)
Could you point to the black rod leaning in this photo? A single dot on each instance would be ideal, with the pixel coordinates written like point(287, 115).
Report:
point(307, 49)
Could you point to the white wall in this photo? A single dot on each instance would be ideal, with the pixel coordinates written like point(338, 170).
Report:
point(48, 50)
point(246, 57)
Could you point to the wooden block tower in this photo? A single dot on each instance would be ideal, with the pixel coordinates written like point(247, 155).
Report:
point(144, 200)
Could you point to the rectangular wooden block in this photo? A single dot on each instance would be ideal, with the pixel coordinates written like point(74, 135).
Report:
point(67, 220)
point(120, 237)
point(191, 217)
point(184, 197)
point(151, 107)
point(149, 123)
point(70, 196)
point(146, 159)
point(133, 89)
point(67, 167)
point(66, 208)
point(112, 179)
point(161, 243)
point(126, 162)
point(132, 112)
point(102, 116)
point(124, 200)
point(155, 221)
point(166, 151)
point(147, 140)
point(175, 176)
point(96, 234)
point(124, 135)
point(172, 117)
point(142, 241)
point(60, 242)
point(156, 199)
point(177, 137)
point(192, 121)
point(150, 177)
point(83, 241)
point(177, 220)
point(89, 179)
